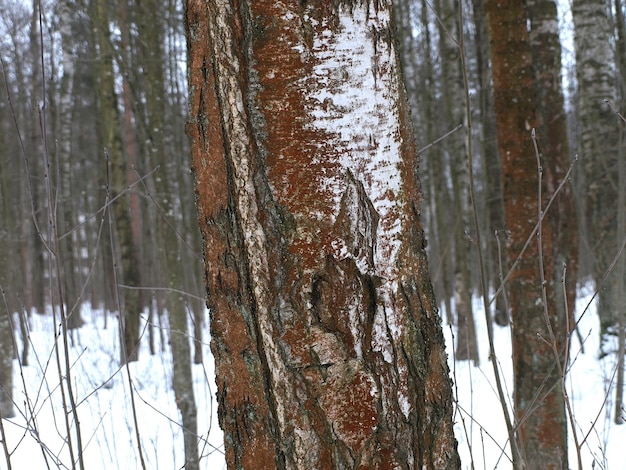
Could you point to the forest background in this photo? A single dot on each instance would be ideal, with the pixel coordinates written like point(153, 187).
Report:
point(97, 206)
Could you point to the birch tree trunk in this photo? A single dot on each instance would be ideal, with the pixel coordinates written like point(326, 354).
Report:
point(599, 135)
point(539, 404)
point(67, 211)
point(327, 341)
point(455, 146)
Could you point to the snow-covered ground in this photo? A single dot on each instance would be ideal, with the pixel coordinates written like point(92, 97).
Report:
point(480, 428)
point(36, 438)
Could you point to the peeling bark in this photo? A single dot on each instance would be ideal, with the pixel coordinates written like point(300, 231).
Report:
point(328, 345)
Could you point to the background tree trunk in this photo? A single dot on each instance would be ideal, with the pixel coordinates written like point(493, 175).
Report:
point(130, 300)
point(68, 208)
point(6, 364)
point(454, 146)
point(328, 347)
point(555, 161)
point(599, 135)
point(488, 147)
point(539, 404)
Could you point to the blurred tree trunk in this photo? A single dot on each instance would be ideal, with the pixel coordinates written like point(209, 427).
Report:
point(599, 134)
point(7, 247)
point(494, 204)
point(620, 268)
point(555, 161)
point(7, 409)
point(455, 146)
point(168, 229)
point(620, 273)
point(328, 347)
point(419, 77)
point(67, 211)
point(129, 299)
point(132, 163)
point(538, 398)
point(34, 267)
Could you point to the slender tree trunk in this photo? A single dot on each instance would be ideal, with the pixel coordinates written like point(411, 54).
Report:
point(555, 160)
point(539, 404)
point(6, 328)
point(437, 188)
point(328, 347)
point(620, 294)
point(6, 363)
point(112, 141)
point(7, 247)
point(37, 266)
point(132, 164)
point(168, 232)
point(64, 137)
point(620, 268)
point(494, 204)
point(598, 145)
point(454, 146)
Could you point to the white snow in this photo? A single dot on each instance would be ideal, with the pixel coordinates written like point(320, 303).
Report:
point(104, 405)
point(104, 408)
point(480, 427)
point(356, 103)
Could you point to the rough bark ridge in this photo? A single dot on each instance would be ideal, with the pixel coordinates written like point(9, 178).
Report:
point(328, 346)
point(539, 405)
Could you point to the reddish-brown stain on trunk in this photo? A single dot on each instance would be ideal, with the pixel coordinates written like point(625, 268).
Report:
point(539, 407)
point(327, 355)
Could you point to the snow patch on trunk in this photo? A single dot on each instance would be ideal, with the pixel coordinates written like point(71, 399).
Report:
point(355, 100)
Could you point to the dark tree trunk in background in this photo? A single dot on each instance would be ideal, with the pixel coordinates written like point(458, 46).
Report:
point(494, 204)
point(168, 228)
point(7, 410)
point(555, 161)
point(541, 436)
point(129, 275)
point(328, 347)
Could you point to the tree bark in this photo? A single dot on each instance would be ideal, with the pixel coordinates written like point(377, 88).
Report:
point(598, 146)
point(539, 404)
point(328, 346)
point(555, 161)
point(67, 210)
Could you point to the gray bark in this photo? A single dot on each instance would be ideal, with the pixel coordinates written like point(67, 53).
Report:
point(598, 146)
